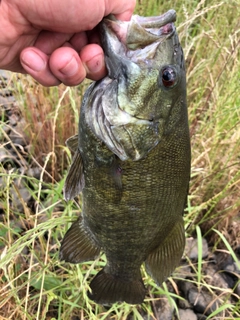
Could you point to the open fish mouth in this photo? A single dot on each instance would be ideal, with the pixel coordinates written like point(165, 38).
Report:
point(136, 39)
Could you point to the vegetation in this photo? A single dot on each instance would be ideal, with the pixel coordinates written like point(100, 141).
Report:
point(34, 284)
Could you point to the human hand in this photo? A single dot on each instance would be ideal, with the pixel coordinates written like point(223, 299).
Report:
point(55, 40)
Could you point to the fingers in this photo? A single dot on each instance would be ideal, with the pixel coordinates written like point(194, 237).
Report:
point(35, 63)
point(71, 68)
point(64, 65)
point(92, 57)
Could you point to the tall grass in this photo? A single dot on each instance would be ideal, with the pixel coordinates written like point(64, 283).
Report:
point(34, 284)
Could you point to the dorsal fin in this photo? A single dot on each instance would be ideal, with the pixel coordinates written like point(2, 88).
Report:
point(72, 143)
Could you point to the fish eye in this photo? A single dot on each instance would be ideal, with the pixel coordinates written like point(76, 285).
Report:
point(168, 76)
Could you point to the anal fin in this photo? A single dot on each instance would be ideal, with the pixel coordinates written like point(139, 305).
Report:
point(77, 246)
point(166, 257)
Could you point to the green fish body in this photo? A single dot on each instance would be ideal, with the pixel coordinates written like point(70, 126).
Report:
point(132, 160)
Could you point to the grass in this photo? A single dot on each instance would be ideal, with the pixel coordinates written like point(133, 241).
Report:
point(34, 284)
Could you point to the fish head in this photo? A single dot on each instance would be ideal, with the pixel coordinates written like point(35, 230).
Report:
point(144, 94)
point(145, 57)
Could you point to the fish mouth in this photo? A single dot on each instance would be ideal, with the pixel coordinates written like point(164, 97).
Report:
point(138, 38)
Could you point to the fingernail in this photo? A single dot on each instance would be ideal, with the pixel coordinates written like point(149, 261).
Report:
point(33, 61)
point(95, 64)
point(71, 68)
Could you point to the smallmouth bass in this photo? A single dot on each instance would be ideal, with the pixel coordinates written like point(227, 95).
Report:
point(132, 160)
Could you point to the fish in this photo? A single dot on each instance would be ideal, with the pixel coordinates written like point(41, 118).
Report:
point(131, 160)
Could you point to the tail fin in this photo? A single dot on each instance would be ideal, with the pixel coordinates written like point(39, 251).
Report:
point(108, 289)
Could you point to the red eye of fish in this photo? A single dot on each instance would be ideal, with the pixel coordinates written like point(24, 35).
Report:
point(169, 77)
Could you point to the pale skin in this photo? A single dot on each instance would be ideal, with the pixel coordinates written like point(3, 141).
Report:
point(55, 41)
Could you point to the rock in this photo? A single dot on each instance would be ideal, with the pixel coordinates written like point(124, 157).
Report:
point(18, 198)
point(237, 290)
point(202, 302)
point(5, 74)
point(146, 317)
point(13, 119)
point(18, 193)
point(187, 314)
point(213, 277)
point(201, 316)
point(18, 136)
point(6, 128)
point(5, 103)
point(236, 267)
point(191, 248)
point(183, 271)
point(34, 172)
point(184, 304)
point(163, 309)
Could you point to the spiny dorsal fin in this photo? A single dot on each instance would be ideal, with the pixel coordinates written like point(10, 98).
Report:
point(107, 289)
point(165, 258)
point(77, 246)
point(74, 182)
point(72, 143)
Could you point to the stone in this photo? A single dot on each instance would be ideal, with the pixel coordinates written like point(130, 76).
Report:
point(214, 277)
point(191, 248)
point(237, 290)
point(202, 302)
point(163, 309)
point(201, 316)
point(187, 314)
point(184, 304)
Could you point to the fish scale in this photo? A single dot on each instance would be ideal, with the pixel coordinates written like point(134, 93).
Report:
point(132, 161)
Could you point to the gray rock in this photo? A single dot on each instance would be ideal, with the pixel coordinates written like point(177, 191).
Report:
point(201, 316)
point(214, 277)
point(187, 314)
point(13, 119)
point(18, 136)
point(163, 309)
point(6, 128)
point(236, 267)
point(183, 271)
point(19, 194)
point(5, 103)
point(184, 304)
point(5, 74)
point(237, 290)
point(202, 302)
point(191, 248)
point(34, 172)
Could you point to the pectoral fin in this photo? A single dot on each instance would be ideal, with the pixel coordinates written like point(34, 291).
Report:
point(77, 245)
point(75, 179)
point(165, 258)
